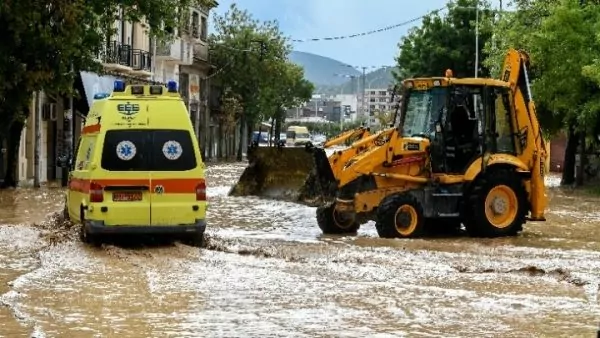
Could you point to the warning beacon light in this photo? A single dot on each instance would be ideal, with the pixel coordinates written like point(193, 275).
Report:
point(101, 96)
point(172, 86)
point(119, 86)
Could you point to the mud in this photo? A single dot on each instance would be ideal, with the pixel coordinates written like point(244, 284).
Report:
point(266, 270)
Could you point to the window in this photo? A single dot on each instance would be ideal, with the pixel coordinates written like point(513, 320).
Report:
point(422, 110)
point(372, 99)
point(372, 107)
point(382, 92)
point(195, 24)
point(148, 150)
point(504, 142)
point(203, 29)
point(383, 99)
point(373, 92)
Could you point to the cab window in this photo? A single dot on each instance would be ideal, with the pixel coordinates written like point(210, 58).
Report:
point(290, 134)
point(148, 150)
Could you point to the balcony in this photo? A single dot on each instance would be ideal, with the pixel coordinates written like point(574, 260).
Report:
point(201, 51)
point(179, 51)
point(141, 63)
point(116, 57)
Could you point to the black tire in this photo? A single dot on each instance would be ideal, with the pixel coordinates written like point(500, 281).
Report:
point(410, 225)
point(330, 223)
point(84, 235)
point(65, 213)
point(196, 239)
point(503, 183)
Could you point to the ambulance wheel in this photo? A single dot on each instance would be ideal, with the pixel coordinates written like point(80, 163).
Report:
point(65, 213)
point(332, 222)
point(400, 216)
point(497, 204)
point(196, 239)
point(84, 234)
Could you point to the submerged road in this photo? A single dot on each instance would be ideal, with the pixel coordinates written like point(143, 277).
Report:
point(268, 272)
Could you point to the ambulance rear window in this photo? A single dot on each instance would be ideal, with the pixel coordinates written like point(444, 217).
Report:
point(148, 150)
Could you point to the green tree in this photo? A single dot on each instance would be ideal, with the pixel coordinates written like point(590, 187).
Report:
point(445, 41)
point(43, 39)
point(252, 58)
point(562, 57)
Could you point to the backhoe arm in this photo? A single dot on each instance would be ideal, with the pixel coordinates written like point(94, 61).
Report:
point(365, 162)
point(533, 152)
point(359, 132)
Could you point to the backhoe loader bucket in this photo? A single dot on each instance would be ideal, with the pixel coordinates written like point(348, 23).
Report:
point(301, 175)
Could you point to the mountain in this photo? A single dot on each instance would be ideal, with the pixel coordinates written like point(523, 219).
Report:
point(322, 71)
point(328, 77)
point(380, 78)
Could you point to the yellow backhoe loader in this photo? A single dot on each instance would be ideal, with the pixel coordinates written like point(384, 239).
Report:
point(306, 175)
point(466, 150)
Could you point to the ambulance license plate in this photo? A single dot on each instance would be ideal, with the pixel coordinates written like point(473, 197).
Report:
point(127, 196)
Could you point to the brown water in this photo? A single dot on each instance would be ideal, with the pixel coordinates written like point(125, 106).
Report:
point(268, 272)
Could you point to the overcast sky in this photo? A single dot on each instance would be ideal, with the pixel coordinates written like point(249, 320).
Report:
point(302, 19)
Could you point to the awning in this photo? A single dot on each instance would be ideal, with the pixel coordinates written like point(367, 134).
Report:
point(94, 84)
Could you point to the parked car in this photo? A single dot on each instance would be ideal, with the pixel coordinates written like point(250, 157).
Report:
point(260, 138)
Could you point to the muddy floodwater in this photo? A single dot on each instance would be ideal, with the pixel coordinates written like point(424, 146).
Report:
point(268, 272)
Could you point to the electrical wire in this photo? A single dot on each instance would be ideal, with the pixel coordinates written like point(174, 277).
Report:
point(380, 30)
point(218, 71)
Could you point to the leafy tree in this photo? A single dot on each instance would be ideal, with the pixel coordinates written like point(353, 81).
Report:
point(562, 56)
point(445, 41)
point(43, 39)
point(253, 59)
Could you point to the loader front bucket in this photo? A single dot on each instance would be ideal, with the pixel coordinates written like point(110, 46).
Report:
point(274, 172)
point(320, 185)
point(301, 175)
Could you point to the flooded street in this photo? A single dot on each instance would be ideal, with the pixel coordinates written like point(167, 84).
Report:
point(268, 272)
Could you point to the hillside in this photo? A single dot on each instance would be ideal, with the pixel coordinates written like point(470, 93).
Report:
point(380, 78)
point(321, 71)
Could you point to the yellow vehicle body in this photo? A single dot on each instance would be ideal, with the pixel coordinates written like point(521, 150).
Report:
point(138, 168)
point(466, 151)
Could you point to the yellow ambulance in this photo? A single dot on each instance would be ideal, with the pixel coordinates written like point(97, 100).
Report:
point(138, 168)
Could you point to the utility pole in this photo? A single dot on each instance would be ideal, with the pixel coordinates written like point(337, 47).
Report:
point(364, 86)
point(476, 39)
point(67, 152)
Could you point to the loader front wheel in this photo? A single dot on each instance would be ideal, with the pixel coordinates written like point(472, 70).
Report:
point(497, 205)
point(332, 222)
point(400, 216)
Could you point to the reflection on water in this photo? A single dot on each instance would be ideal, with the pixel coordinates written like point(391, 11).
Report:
point(268, 271)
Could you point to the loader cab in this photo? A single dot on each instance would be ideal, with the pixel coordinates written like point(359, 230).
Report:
point(461, 118)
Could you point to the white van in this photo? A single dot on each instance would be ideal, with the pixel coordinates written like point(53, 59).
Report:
point(297, 136)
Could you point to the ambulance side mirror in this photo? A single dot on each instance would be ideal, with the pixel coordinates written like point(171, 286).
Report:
point(63, 161)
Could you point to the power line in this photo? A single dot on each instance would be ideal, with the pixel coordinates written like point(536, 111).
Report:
point(380, 30)
point(218, 71)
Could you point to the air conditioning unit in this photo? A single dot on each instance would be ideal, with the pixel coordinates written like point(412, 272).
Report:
point(49, 112)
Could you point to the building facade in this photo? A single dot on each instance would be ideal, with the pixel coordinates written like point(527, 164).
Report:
point(131, 55)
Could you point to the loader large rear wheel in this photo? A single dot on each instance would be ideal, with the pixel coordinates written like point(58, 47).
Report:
point(497, 205)
point(332, 222)
point(400, 216)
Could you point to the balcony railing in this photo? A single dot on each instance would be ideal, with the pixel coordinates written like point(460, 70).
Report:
point(116, 53)
point(142, 60)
